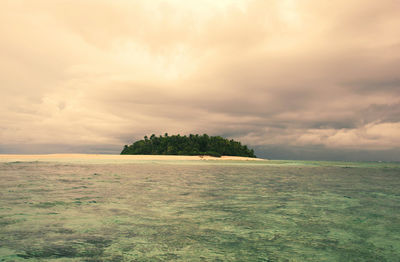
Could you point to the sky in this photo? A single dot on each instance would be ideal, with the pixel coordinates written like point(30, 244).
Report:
point(304, 79)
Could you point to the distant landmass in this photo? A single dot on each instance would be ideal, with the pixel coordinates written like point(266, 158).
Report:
point(188, 145)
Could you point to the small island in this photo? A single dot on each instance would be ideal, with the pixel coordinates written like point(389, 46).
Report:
point(191, 145)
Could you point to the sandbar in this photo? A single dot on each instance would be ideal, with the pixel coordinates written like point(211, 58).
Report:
point(55, 157)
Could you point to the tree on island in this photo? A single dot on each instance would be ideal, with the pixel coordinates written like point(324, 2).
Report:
point(187, 145)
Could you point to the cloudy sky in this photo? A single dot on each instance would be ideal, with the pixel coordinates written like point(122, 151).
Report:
point(305, 79)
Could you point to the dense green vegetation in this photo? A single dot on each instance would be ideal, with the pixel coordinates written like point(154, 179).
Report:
point(187, 145)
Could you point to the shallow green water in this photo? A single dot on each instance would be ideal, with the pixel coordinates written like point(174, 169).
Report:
point(199, 211)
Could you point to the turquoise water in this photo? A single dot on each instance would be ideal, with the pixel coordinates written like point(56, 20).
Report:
point(199, 211)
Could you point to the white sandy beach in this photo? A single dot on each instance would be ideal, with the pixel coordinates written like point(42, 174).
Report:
point(55, 157)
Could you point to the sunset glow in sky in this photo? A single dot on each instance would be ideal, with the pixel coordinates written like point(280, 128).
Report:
point(295, 79)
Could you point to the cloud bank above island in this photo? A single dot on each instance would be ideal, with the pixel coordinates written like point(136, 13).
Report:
point(283, 76)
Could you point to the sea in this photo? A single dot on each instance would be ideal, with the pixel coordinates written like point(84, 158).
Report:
point(101, 210)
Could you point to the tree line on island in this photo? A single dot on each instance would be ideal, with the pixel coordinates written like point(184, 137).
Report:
point(187, 145)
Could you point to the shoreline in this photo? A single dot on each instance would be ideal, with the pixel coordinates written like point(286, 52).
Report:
point(44, 157)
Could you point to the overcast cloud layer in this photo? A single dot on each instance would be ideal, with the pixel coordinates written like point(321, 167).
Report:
point(295, 79)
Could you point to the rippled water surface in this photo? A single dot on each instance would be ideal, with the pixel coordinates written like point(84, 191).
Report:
point(199, 211)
